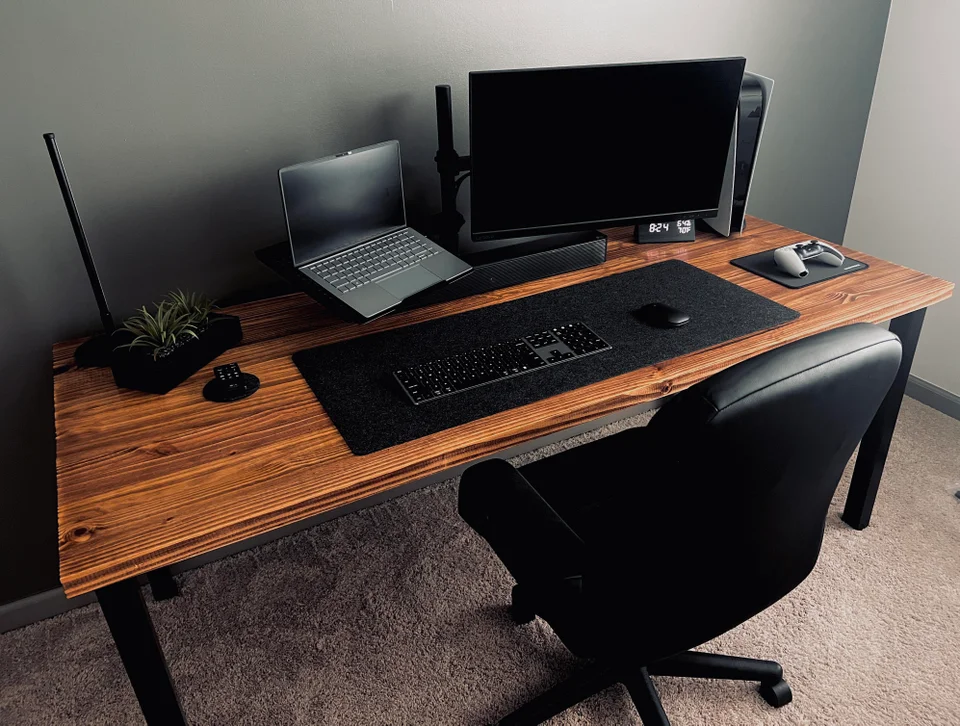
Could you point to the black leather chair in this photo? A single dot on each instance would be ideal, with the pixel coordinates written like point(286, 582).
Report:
point(640, 546)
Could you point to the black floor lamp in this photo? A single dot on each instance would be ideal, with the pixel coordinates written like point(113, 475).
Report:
point(97, 350)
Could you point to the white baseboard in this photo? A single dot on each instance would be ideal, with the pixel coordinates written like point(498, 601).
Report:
point(934, 396)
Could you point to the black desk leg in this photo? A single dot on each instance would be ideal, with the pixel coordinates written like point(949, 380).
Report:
point(162, 584)
point(126, 614)
point(876, 442)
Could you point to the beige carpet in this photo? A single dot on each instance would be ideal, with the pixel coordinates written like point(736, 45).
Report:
point(396, 615)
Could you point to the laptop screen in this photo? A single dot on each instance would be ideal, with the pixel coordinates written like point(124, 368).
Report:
point(335, 203)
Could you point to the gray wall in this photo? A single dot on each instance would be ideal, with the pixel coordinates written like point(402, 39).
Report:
point(907, 187)
point(174, 116)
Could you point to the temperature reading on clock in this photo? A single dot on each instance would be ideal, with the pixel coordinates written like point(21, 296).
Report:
point(675, 230)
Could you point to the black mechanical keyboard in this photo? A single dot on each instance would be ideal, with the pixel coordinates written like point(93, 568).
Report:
point(446, 376)
point(373, 261)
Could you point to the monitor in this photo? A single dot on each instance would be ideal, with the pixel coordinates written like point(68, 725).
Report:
point(559, 149)
point(342, 200)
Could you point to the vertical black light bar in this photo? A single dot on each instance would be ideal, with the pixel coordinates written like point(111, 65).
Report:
point(98, 349)
point(105, 316)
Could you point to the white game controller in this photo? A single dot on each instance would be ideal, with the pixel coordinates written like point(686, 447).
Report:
point(790, 259)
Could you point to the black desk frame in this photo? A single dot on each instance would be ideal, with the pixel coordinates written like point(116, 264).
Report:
point(876, 442)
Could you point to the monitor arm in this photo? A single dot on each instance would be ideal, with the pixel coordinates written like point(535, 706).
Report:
point(450, 164)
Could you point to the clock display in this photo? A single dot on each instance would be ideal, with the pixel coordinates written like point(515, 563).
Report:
point(680, 230)
point(683, 226)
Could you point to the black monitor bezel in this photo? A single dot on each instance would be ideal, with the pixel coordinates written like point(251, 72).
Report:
point(598, 223)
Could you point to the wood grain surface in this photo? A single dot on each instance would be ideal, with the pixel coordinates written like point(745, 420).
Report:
point(145, 481)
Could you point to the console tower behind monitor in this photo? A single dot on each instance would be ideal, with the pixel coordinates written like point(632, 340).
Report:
point(752, 113)
point(561, 149)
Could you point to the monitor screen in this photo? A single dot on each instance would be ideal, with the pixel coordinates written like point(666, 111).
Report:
point(334, 203)
point(556, 149)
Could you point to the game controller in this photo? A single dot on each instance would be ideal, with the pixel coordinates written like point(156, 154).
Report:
point(791, 258)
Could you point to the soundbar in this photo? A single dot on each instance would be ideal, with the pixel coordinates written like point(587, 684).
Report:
point(505, 265)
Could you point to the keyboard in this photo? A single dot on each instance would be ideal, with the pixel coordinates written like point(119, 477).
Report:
point(479, 367)
point(373, 261)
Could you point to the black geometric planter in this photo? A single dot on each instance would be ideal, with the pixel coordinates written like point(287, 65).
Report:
point(135, 367)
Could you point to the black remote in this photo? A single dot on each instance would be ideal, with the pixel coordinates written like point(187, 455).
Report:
point(230, 384)
point(229, 376)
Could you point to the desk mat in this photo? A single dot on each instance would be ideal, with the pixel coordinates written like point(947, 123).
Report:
point(762, 264)
point(353, 379)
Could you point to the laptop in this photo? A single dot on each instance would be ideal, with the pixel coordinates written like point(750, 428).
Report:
point(348, 231)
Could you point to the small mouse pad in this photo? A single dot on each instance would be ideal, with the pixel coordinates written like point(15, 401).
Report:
point(353, 379)
point(762, 264)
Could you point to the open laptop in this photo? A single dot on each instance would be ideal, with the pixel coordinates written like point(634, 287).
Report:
point(348, 231)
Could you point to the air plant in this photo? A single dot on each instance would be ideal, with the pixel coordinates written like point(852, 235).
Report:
point(196, 305)
point(178, 319)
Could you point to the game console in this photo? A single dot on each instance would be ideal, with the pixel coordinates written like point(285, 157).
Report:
point(752, 111)
point(792, 258)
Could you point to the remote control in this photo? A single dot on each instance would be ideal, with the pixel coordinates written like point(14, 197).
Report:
point(230, 376)
point(230, 384)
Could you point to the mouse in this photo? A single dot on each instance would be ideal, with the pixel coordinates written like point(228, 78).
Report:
point(661, 315)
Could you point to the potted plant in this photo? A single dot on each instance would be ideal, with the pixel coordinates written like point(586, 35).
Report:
point(157, 351)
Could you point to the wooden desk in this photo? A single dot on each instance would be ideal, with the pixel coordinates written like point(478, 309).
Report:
point(147, 481)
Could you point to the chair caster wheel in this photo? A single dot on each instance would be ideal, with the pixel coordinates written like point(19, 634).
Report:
point(777, 695)
point(520, 612)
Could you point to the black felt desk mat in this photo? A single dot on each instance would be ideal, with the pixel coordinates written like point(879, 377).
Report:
point(353, 379)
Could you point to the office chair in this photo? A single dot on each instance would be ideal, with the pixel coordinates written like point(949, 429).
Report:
point(640, 546)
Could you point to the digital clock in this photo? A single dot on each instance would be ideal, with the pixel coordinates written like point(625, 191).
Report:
point(681, 230)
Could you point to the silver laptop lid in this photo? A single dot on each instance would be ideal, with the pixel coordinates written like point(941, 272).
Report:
point(339, 201)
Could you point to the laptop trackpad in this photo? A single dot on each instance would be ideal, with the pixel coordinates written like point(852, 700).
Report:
point(409, 282)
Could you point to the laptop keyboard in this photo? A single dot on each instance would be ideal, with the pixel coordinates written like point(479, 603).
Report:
point(373, 261)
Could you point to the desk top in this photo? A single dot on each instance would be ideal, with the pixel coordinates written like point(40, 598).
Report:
point(145, 481)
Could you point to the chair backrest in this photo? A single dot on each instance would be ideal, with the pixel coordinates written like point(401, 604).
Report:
point(748, 462)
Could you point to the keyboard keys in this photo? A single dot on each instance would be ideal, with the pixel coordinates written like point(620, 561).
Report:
point(445, 376)
point(375, 260)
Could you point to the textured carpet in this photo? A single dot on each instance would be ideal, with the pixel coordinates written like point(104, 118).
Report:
point(396, 615)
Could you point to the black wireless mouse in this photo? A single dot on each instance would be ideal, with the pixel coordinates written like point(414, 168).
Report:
point(661, 315)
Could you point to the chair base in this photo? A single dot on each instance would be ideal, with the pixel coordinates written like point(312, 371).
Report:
point(690, 664)
point(777, 695)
